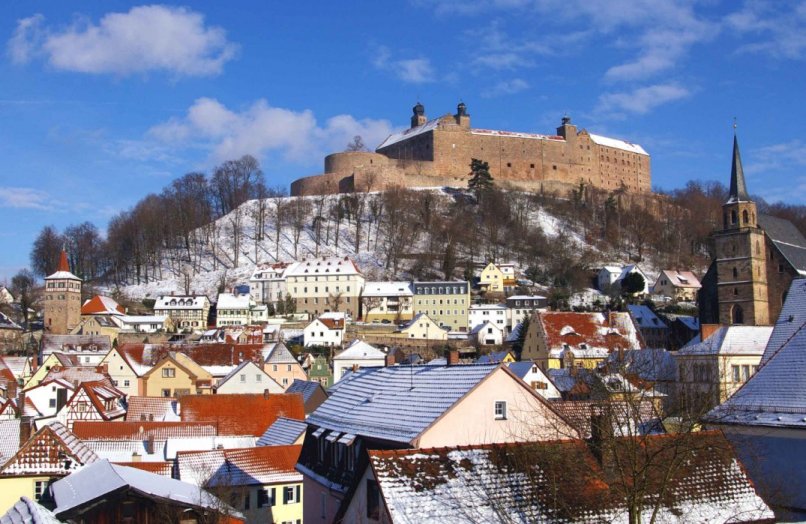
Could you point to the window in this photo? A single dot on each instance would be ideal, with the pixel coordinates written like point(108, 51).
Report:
point(291, 494)
point(289, 367)
point(52, 403)
point(168, 372)
point(39, 489)
point(745, 373)
point(373, 500)
point(265, 497)
point(258, 377)
point(166, 392)
point(736, 375)
point(500, 409)
point(243, 377)
point(274, 367)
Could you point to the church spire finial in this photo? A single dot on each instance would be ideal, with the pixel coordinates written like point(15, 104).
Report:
point(738, 188)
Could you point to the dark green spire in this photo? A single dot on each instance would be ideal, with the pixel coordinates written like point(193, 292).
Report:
point(738, 189)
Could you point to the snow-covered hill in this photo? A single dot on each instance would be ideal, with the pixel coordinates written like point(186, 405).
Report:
point(222, 257)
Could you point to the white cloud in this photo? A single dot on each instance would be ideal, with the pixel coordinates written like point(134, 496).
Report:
point(506, 87)
point(24, 198)
point(146, 38)
point(779, 28)
point(412, 70)
point(261, 128)
point(786, 156)
point(641, 100)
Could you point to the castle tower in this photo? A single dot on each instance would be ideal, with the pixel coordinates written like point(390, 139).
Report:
point(462, 116)
point(741, 256)
point(418, 118)
point(567, 130)
point(62, 299)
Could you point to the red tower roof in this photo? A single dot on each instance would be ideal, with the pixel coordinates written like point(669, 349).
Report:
point(63, 264)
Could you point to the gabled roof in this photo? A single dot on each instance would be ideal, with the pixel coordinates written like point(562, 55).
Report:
point(306, 388)
point(77, 374)
point(561, 481)
point(152, 408)
point(360, 350)
point(595, 330)
point(75, 344)
point(95, 481)
point(775, 396)
point(63, 270)
point(232, 301)
point(323, 266)
point(101, 305)
point(409, 133)
point(141, 430)
point(479, 328)
point(9, 438)
point(182, 302)
point(7, 323)
point(27, 511)
point(684, 279)
point(284, 431)
point(787, 238)
point(227, 412)
point(53, 450)
point(241, 367)
point(280, 354)
point(494, 358)
point(396, 403)
point(628, 418)
point(240, 467)
point(730, 340)
point(100, 392)
point(645, 317)
point(417, 318)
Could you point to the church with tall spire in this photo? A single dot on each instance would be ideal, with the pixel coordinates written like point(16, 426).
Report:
point(756, 257)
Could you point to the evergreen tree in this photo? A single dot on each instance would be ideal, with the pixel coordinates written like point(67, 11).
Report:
point(480, 180)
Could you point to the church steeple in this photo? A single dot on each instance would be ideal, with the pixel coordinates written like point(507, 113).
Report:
point(738, 188)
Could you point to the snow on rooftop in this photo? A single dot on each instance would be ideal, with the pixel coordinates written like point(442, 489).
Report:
point(360, 350)
point(730, 340)
point(408, 133)
point(387, 289)
point(618, 144)
point(284, 431)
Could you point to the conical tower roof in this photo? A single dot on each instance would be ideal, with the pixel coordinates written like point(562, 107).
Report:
point(63, 269)
point(738, 188)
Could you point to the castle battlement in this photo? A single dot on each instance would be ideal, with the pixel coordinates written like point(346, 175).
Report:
point(437, 152)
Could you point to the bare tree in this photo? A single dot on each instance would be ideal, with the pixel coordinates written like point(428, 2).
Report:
point(298, 211)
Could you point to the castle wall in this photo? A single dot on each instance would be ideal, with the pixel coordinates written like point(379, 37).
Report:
point(441, 155)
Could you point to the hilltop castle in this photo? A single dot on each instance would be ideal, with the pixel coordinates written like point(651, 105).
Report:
point(435, 153)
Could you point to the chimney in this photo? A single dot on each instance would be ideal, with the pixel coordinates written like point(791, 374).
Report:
point(452, 357)
point(26, 427)
point(706, 330)
point(150, 445)
point(136, 457)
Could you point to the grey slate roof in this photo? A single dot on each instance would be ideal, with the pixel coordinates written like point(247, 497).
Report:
point(493, 358)
point(776, 394)
point(283, 432)
point(787, 238)
point(9, 438)
point(280, 354)
point(645, 317)
point(730, 340)
point(26, 511)
point(94, 481)
point(520, 368)
point(396, 403)
point(306, 388)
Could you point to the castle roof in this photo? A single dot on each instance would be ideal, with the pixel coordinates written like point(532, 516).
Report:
point(618, 144)
point(408, 133)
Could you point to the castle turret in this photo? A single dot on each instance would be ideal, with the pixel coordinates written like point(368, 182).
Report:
point(462, 116)
point(567, 129)
point(740, 255)
point(418, 118)
point(62, 303)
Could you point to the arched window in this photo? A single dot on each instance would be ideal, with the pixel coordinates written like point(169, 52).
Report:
point(745, 217)
point(736, 314)
point(733, 216)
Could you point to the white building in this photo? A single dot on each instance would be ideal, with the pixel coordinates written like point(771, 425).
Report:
point(144, 323)
point(186, 311)
point(248, 378)
point(520, 306)
point(479, 314)
point(488, 334)
point(530, 373)
point(326, 330)
point(268, 285)
point(607, 276)
point(389, 301)
point(358, 355)
point(325, 284)
point(233, 310)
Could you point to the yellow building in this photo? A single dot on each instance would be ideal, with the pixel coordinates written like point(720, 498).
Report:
point(446, 303)
point(174, 375)
point(491, 279)
point(123, 372)
point(52, 360)
point(52, 453)
point(711, 370)
point(260, 482)
point(421, 327)
point(389, 302)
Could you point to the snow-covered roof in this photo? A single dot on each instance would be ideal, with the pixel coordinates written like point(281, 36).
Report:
point(730, 340)
point(179, 445)
point(278, 353)
point(239, 368)
point(487, 324)
point(776, 394)
point(143, 319)
point(9, 438)
point(27, 511)
point(323, 266)
point(182, 302)
point(94, 481)
point(516, 134)
point(284, 431)
point(231, 301)
point(387, 289)
point(396, 403)
point(102, 305)
point(564, 330)
point(488, 307)
point(360, 350)
point(408, 133)
point(618, 144)
point(526, 297)
point(240, 467)
point(684, 279)
point(53, 450)
point(62, 275)
point(509, 483)
point(645, 317)
point(306, 388)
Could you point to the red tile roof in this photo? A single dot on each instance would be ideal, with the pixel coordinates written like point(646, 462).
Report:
point(158, 468)
point(149, 408)
point(258, 465)
point(99, 392)
point(64, 265)
point(52, 450)
point(241, 414)
point(594, 329)
point(138, 430)
point(217, 354)
point(99, 305)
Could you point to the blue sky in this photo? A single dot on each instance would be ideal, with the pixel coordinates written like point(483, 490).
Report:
point(104, 102)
